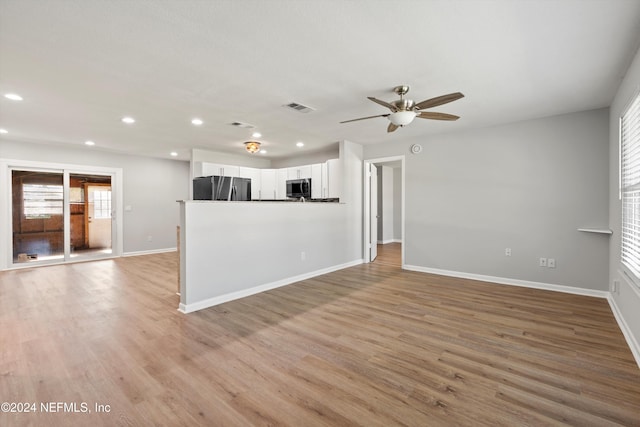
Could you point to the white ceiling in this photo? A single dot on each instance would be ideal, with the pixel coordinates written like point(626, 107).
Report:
point(83, 65)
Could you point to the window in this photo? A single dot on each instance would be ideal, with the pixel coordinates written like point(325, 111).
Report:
point(42, 200)
point(630, 185)
point(101, 204)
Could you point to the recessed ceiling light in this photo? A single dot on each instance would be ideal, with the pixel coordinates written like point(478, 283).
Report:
point(197, 121)
point(128, 120)
point(299, 144)
point(256, 134)
point(263, 151)
point(13, 96)
point(4, 131)
point(173, 154)
point(89, 143)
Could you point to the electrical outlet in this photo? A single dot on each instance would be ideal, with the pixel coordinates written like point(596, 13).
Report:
point(507, 252)
point(615, 287)
point(542, 262)
point(551, 263)
point(303, 256)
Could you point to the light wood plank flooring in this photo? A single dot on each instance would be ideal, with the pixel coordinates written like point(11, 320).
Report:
point(370, 345)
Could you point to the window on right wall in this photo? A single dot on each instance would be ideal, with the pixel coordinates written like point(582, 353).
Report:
point(630, 185)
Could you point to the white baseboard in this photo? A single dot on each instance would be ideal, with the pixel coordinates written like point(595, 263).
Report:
point(626, 330)
point(153, 251)
point(210, 302)
point(384, 242)
point(511, 282)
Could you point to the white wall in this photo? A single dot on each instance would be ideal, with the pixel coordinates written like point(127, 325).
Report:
point(626, 301)
point(527, 186)
point(233, 249)
point(151, 188)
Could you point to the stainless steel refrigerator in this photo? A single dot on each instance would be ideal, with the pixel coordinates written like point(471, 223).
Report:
point(221, 188)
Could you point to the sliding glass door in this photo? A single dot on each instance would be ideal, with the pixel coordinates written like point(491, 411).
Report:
point(60, 215)
point(38, 216)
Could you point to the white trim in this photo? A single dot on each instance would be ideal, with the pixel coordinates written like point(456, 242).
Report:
point(626, 330)
point(384, 242)
point(150, 252)
point(6, 249)
point(210, 302)
point(366, 202)
point(511, 282)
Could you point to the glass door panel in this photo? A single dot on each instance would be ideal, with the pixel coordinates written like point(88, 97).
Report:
point(38, 216)
point(90, 215)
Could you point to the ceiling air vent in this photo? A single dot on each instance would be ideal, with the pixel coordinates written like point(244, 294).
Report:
point(242, 125)
point(299, 107)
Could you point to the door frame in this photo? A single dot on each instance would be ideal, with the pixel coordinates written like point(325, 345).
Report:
point(6, 226)
point(367, 202)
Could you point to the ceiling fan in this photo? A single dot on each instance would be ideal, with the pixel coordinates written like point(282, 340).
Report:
point(403, 111)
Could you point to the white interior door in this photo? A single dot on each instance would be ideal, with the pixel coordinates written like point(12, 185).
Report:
point(99, 216)
point(373, 212)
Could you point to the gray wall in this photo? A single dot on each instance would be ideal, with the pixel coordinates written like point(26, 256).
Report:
point(151, 188)
point(527, 186)
point(627, 298)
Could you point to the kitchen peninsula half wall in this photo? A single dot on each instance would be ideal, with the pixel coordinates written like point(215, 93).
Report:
point(232, 250)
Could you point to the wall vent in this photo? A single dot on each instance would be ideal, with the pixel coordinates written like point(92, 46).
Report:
point(299, 107)
point(242, 125)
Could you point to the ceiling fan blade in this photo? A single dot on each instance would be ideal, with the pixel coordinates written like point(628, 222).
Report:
point(439, 100)
point(391, 127)
point(437, 116)
point(383, 103)
point(365, 118)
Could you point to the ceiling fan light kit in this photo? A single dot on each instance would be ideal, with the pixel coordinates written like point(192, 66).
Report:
point(402, 118)
point(403, 111)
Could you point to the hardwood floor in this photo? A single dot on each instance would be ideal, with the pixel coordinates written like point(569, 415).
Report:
point(371, 345)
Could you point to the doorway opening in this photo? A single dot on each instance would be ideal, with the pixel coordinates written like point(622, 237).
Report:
point(384, 211)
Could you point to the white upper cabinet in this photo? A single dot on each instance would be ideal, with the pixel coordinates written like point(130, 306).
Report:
point(220, 170)
point(299, 172)
point(281, 184)
point(334, 179)
point(267, 184)
point(318, 171)
point(271, 184)
point(256, 178)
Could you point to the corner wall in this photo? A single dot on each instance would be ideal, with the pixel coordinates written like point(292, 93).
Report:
point(527, 186)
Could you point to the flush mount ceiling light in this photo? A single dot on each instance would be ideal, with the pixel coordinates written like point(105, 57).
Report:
point(13, 96)
point(252, 146)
